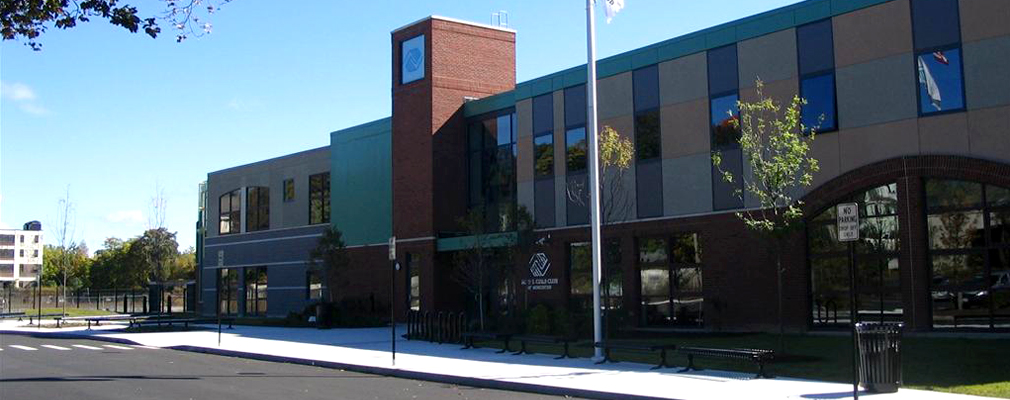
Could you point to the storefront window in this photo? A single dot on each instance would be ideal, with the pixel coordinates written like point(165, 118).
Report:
point(256, 291)
point(877, 269)
point(968, 246)
point(671, 273)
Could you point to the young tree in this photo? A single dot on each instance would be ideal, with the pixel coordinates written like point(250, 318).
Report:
point(329, 257)
point(616, 154)
point(775, 145)
point(27, 20)
point(471, 262)
point(65, 227)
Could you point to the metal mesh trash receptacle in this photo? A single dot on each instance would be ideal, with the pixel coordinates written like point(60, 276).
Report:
point(879, 356)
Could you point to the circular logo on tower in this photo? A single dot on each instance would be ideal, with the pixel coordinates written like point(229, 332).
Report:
point(412, 61)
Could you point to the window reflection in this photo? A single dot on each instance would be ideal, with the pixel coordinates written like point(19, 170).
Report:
point(877, 269)
point(819, 112)
point(725, 126)
point(940, 81)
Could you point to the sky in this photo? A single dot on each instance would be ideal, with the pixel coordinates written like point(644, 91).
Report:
point(114, 118)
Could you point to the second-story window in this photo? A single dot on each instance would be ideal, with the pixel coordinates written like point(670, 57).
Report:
point(815, 47)
point(723, 87)
point(543, 160)
point(576, 147)
point(230, 213)
point(319, 198)
point(257, 216)
point(936, 31)
point(648, 143)
point(492, 154)
point(289, 190)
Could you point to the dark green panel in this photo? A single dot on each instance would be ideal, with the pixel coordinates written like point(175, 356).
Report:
point(361, 194)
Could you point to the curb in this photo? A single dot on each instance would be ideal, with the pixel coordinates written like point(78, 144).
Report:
point(391, 372)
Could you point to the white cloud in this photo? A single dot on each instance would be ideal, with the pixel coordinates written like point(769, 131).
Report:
point(34, 109)
point(127, 216)
point(24, 96)
point(16, 91)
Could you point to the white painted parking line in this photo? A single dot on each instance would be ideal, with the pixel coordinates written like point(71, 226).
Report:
point(144, 347)
point(20, 347)
point(81, 346)
point(55, 347)
point(112, 346)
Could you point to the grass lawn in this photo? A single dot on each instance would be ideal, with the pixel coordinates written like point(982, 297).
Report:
point(71, 312)
point(967, 366)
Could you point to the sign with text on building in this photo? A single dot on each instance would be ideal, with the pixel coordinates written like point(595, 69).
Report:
point(540, 264)
point(848, 222)
point(392, 248)
point(412, 59)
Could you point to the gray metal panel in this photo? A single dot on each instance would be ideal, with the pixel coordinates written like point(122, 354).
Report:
point(987, 72)
point(261, 253)
point(724, 195)
point(544, 197)
point(876, 92)
point(560, 199)
point(687, 184)
point(614, 96)
point(683, 79)
point(770, 57)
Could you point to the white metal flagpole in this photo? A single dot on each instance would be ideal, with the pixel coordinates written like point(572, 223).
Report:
point(594, 175)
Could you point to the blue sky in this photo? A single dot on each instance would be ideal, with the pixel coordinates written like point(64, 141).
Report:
point(113, 116)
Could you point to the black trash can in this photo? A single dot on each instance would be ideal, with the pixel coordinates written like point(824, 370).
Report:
point(879, 356)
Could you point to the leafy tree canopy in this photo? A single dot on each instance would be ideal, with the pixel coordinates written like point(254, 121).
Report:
point(27, 20)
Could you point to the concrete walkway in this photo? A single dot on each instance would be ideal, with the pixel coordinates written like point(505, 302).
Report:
point(368, 350)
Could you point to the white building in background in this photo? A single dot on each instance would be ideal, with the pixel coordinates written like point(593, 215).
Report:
point(21, 254)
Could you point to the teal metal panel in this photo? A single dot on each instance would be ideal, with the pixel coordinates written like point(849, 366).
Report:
point(489, 104)
point(542, 86)
point(812, 11)
point(522, 92)
point(773, 23)
point(844, 6)
point(467, 242)
point(643, 58)
point(558, 81)
point(680, 47)
point(613, 65)
point(361, 191)
point(721, 37)
point(576, 76)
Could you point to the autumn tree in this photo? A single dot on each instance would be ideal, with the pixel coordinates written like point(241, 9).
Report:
point(775, 146)
point(615, 156)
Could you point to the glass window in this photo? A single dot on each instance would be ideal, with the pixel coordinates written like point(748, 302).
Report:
point(649, 188)
point(543, 155)
point(313, 285)
point(613, 276)
point(878, 296)
point(652, 250)
point(7, 239)
point(414, 274)
point(722, 70)
point(997, 196)
point(950, 194)
point(815, 46)
point(543, 114)
point(491, 168)
point(647, 135)
point(645, 83)
point(727, 195)
point(580, 276)
point(319, 198)
point(504, 130)
point(935, 23)
point(575, 106)
point(255, 291)
point(940, 81)
point(257, 216)
point(227, 285)
point(968, 250)
point(543, 192)
point(686, 249)
point(289, 190)
point(575, 141)
point(725, 122)
point(819, 112)
point(577, 198)
point(230, 209)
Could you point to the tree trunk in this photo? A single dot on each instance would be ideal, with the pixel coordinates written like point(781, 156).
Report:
point(778, 275)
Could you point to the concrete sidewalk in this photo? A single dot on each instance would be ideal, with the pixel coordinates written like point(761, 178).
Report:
point(368, 350)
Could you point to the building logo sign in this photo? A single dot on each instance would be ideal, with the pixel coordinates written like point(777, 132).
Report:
point(539, 265)
point(412, 59)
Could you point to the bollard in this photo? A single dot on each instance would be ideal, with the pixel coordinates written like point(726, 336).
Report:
point(125, 304)
point(169, 305)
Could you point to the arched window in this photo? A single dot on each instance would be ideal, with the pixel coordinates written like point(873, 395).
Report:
point(969, 251)
point(874, 255)
point(230, 213)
